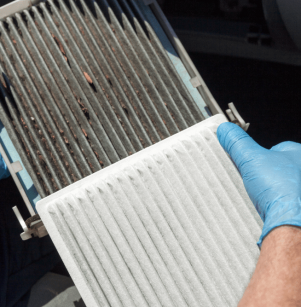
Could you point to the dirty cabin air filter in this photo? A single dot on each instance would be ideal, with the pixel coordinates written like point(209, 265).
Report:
point(85, 84)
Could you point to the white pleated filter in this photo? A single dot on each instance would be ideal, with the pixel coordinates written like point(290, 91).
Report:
point(171, 225)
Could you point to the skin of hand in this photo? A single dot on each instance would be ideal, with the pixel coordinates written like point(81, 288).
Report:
point(272, 177)
point(276, 281)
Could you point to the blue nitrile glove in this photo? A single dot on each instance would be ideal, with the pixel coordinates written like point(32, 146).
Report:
point(4, 172)
point(272, 177)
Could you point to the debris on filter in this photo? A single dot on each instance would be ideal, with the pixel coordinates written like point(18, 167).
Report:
point(88, 78)
point(14, 41)
point(40, 156)
point(125, 110)
point(107, 77)
point(81, 30)
point(82, 106)
point(27, 152)
point(23, 122)
point(4, 84)
point(97, 156)
point(85, 133)
point(60, 45)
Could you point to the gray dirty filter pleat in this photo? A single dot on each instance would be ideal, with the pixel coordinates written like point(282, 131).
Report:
point(172, 225)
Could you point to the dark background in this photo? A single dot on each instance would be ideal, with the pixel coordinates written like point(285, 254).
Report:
point(266, 94)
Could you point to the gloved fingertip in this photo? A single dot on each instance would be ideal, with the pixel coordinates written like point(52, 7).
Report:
point(226, 133)
point(237, 143)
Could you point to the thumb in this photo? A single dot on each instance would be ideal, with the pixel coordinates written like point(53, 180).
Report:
point(237, 143)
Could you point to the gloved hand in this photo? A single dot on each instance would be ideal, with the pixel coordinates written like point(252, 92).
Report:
point(4, 172)
point(272, 177)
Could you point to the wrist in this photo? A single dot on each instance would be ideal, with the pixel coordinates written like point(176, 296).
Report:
point(280, 215)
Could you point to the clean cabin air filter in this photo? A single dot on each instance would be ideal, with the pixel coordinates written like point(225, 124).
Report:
point(171, 225)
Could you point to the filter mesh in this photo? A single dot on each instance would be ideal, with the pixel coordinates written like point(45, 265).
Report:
point(85, 84)
point(169, 226)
